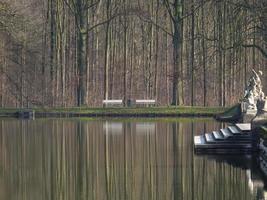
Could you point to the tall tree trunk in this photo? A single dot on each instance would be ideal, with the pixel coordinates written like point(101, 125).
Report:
point(125, 57)
point(192, 54)
point(132, 52)
point(64, 63)
point(175, 14)
point(107, 50)
point(203, 55)
point(155, 95)
point(167, 70)
point(52, 46)
point(44, 52)
point(176, 57)
point(81, 51)
point(3, 72)
point(23, 74)
point(220, 54)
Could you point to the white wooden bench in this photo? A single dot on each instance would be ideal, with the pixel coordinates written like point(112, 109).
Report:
point(117, 102)
point(145, 102)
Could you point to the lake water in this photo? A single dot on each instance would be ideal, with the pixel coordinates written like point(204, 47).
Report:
point(68, 159)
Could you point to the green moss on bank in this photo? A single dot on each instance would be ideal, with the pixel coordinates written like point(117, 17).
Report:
point(232, 111)
point(157, 111)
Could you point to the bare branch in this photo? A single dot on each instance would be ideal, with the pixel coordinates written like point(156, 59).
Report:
point(155, 24)
point(92, 5)
point(263, 51)
point(103, 22)
point(167, 4)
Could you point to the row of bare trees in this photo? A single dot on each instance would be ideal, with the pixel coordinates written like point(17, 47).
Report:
point(79, 52)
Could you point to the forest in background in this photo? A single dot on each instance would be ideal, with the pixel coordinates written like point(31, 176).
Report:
point(179, 52)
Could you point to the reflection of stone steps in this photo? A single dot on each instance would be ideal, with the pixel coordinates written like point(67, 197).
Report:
point(237, 137)
point(263, 157)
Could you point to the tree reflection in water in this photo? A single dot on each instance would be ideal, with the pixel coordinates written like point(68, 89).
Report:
point(116, 159)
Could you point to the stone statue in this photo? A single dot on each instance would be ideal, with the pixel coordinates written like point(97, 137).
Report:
point(253, 91)
point(258, 85)
point(252, 106)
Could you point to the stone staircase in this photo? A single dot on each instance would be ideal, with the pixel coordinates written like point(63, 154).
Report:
point(236, 138)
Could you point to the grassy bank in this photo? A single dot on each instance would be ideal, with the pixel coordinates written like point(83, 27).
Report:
point(120, 112)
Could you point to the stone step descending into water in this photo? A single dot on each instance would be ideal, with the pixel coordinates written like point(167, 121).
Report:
point(226, 133)
point(234, 130)
point(199, 140)
point(237, 138)
point(246, 127)
point(217, 135)
point(209, 137)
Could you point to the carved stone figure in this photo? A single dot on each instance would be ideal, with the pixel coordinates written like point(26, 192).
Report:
point(253, 91)
point(258, 85)
point(253, 105)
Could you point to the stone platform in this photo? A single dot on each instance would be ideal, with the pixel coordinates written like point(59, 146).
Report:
point(261, 116)
point(249, 115)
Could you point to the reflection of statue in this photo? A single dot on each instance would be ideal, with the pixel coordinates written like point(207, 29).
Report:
point(253, 91)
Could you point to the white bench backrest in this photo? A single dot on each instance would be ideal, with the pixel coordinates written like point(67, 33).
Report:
point(145, 101)
point(106, 101)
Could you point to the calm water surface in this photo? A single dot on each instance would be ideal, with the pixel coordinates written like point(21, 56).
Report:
point(49, 159)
